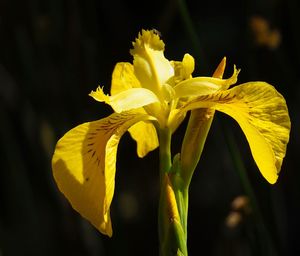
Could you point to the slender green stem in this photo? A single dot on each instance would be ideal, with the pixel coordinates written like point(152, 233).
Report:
point(164, 167)
point(172, 215)
point(164, 151)
point(175, 179)
point(182, 199)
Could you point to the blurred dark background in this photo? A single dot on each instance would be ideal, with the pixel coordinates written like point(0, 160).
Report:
point(54, 52)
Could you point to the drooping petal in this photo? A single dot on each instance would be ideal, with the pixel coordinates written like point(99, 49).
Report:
point(123, 78)
point(150, 65)
point(84, 165)
point(263, 116)
point(204, 85)
point(145, 135)
point(126, 100)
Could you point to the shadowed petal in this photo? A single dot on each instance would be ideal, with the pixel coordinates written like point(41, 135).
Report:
point(123, 78)
point(84, 166)
point(144, 133)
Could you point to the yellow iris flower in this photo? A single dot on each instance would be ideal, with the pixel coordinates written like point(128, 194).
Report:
point(154, 93)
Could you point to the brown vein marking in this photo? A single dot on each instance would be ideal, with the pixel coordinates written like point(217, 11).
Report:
point(228, 96)
point(112, 126)
point(110, 122)
point(204, 97)
point(218, 97)
point(115, 118)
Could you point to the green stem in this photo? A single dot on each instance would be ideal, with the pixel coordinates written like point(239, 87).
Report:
point(164, 151)
point(182, 200)
point(172, 215)
point(197, 131)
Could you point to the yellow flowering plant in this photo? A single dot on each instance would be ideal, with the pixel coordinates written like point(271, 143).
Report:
point(150, 99)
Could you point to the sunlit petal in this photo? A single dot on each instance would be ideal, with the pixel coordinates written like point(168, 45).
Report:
point(126, 100)
point(84, 165)
point(150, 65)
point(204, 85)
point(188, 66)
point(196, 87)
point(263, 116)
point(183, 69)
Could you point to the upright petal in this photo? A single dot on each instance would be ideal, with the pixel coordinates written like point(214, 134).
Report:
point(263, 116)
point(150, 65)
point(84, 166)
point(123, 78)
point(182, 69)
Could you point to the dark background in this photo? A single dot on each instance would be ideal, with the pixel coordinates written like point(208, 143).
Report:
point(54, 52)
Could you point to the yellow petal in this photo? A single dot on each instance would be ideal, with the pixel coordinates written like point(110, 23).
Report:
point(182, 69)
point(145, 135)
point(263, 116)
point(126, 100)
point(99, 95)
point(188, 66)
point(123, 78)
point(84, 165)
point(196, 86)
point(204, 85)
point(177, 115)
point(150, 65)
